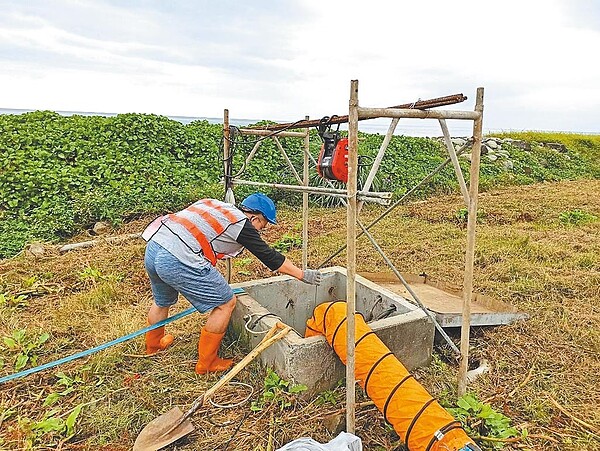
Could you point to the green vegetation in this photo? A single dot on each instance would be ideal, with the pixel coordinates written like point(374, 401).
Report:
point(277, 391)
point(585, 148)
point(62, 174)
point(288, 242)
point(481, 421)
point(23, 348)
point(576, 217)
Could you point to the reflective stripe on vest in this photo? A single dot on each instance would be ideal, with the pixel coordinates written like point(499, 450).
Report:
point(202, 210)
point(207, 249)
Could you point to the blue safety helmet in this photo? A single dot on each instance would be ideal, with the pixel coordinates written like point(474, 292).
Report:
point(260, 203)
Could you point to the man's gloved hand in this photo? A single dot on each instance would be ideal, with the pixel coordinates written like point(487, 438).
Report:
point(312, 277)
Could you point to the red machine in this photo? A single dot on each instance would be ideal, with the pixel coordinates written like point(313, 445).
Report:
point(333, 158)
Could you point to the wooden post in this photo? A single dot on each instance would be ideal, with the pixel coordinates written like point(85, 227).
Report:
point(379, 157)
point(455, 163)
point(470, 252)
point(305, 179)
point(226, 148)
point(351, 254)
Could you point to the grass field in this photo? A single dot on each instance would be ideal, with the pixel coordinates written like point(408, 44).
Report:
point(538, 248)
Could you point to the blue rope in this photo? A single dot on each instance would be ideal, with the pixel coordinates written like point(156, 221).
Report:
point(116, 341)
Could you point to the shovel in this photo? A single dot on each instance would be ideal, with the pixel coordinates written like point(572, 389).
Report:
point(174, 424)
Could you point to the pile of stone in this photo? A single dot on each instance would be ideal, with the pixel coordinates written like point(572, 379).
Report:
point(495, 150)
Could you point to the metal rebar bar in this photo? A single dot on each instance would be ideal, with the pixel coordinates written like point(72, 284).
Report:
point(419, 104)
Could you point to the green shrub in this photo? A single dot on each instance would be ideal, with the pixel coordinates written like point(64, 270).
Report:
point(63, 173)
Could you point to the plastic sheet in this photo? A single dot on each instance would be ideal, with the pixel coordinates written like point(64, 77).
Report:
point(343, 442)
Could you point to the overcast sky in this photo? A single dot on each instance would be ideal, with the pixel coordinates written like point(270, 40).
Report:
point(284, 59)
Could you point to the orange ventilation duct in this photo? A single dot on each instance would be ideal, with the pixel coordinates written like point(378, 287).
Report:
point(415, 415)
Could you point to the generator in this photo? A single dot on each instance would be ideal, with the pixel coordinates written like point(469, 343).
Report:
point(333, 158)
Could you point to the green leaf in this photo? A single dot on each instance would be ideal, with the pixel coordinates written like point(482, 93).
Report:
point(52, 424)
point(72, 419)
point(10, 343)
point(51, 399)
point(298, 388)
point(21, 361)
point(43, 338)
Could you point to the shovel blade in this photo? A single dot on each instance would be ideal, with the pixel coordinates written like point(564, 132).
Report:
point(159, 432)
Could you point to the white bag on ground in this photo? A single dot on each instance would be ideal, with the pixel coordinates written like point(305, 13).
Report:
point(343, 442)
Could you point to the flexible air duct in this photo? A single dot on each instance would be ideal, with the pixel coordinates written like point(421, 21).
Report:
point(415, 415)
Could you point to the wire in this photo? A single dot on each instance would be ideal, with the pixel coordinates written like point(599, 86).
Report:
point(237, 404)
point(235, 143)
point(248, 319)
point(235, 432)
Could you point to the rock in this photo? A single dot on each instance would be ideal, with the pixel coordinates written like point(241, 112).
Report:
point(522, 145)
point(335, 422)
point(555, 146)
point(508, 165)
point(492, 144)
point(459, 142)
point(36, 250)
point(492, 157)
point(100, 228)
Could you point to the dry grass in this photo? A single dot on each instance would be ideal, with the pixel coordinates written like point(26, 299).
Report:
point(524, 256)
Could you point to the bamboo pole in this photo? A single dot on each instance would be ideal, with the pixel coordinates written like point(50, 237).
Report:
point(379, 157)
point(454, 158)
point(351, 254)
point(92, 243)
point(372, 113)
point(258, 132)
point(227, 169)
point(305, 178)
point(470, 252)
point(377, 197)
point(419, 104)
point(287, 159)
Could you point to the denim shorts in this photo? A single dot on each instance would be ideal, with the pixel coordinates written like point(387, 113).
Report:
point(204, 287)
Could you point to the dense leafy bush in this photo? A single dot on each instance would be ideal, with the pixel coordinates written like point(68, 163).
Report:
point(61, 174)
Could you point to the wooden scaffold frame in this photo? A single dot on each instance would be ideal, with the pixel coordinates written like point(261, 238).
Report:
point(354, 199)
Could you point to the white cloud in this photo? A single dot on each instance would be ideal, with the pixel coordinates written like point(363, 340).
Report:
point(285, 59)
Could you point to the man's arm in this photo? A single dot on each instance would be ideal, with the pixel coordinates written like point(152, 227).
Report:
point(290, 269)
point(275, 261)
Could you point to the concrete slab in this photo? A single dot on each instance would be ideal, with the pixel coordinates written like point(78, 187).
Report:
point(404, 328)
point(446, 302)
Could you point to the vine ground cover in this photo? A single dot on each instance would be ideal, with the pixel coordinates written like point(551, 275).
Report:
point(62, 174)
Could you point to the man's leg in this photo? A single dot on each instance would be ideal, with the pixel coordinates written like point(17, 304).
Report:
point(157, 340)
point(164, 294)
point(210, 339)
point(156, 314)
point(219, 317)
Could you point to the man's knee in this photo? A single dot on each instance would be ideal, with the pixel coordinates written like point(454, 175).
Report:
point(229, 305)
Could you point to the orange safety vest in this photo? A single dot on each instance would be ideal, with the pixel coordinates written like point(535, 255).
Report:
point(206, 220)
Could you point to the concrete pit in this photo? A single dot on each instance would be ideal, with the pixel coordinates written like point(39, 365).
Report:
point(402, 326)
